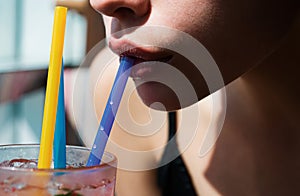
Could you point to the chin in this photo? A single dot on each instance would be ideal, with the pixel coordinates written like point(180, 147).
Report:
point(160, 97)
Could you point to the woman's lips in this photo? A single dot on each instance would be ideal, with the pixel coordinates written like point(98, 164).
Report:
point(143, 68)
point(144, 55)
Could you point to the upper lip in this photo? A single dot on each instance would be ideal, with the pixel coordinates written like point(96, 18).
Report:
point(144, 53)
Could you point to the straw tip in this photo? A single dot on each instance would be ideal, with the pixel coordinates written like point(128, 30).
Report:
point(127, 60)
point(61, 8)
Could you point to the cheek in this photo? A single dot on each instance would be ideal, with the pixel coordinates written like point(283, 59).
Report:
point(238, 34)
point(184, 15)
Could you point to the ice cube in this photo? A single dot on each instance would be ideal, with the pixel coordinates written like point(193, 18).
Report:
point(19, 163)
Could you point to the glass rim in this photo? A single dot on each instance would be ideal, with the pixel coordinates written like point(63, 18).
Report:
point(65, 170)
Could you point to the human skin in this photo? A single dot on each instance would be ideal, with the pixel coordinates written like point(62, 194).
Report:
point(238, 34)
point(256, 47)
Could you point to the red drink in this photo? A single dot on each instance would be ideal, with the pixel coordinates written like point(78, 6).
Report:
point(19, 176)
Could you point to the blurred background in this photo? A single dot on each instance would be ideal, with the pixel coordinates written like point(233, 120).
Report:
point(25, 40)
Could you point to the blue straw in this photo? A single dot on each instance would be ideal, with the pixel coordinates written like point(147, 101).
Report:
point(110, 111)
point(59, 145)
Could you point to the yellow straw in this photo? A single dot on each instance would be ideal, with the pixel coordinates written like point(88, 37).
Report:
point(51, 100)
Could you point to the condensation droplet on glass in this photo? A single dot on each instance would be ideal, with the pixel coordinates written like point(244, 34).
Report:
point(9, 180)
point(19, 186)
point(54, 187)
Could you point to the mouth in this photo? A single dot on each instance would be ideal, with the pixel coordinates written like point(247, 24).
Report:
point(144, 68)
point(144, 56)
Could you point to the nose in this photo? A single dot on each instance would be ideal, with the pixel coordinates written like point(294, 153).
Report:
point(121, 8)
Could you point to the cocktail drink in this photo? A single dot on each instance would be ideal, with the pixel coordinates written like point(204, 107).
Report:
point(19, 174)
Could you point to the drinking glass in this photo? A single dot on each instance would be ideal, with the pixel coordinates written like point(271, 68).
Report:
point(19, 175)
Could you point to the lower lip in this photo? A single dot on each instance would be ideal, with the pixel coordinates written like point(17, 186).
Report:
point(143, 68)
